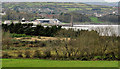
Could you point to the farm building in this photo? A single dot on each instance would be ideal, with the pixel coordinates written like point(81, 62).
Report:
point(50, 21)
point(36, 22)
point(42, 21)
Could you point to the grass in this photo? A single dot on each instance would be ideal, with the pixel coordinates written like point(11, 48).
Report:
point(73, 9)
point(19, 35)
point(88, 8)
point(64, 23)
point(95, 19)
point(55, 63)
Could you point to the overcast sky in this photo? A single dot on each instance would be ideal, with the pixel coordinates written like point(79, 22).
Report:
point(112, 0)
point(60, 0)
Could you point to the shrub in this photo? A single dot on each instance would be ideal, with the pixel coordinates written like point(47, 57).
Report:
point(39, 37)
point(47, 54)
point(40, 44)
point(5, 47)
point(20, 55)
point(27, 53)
point(37, 54)
point(6, 55)
point(84, 58)
point(19, 35)
point(6, 40)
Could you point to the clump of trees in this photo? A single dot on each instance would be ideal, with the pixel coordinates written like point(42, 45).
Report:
point(109, 18)
point(29, 30)
point(77, 17)
point(16, 15)
point(6, 55)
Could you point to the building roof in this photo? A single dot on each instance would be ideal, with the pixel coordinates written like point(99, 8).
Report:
point(46, 19)
point(23, 18)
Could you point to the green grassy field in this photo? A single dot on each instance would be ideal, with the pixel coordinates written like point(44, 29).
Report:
point(95, 19)
point(55, 63)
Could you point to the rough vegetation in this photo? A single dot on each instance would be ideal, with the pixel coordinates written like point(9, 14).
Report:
point(78, 45)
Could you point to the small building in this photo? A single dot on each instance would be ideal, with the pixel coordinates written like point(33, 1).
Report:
point(49, 21)
point(23, 20)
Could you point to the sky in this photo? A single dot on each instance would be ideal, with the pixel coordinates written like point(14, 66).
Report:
point(60, 0)
point(112, 0)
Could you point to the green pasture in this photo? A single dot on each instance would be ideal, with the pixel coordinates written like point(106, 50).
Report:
point(95, 19)
point(56, 63)
point(73, 9)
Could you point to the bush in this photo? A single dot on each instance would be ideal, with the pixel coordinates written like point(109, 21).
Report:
point(37, 54)
point(6, 55)
point(42, 44)
point(19, 35)
point(20, 55)
point(47, 54)
point(6, 40)
point(5, 47)
point(27, 53)
point(84, 59)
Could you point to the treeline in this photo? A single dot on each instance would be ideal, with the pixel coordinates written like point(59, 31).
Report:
point(87, 46)
point(16, 15)
point(28, 29)
point(109, 18)
point(76, 17)
point(63, 17)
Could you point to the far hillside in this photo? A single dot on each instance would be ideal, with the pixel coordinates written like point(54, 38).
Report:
point(56, 7)
point(112, 4)
point(82, 13)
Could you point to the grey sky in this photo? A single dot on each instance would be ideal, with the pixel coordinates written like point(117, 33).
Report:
point(53, 0)
point(60, 0)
